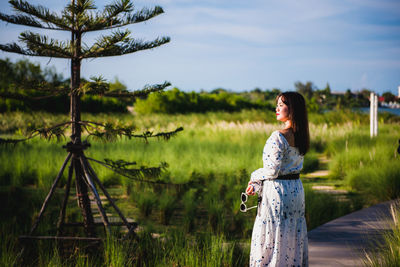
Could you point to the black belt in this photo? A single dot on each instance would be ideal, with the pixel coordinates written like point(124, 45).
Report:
point(292, 176)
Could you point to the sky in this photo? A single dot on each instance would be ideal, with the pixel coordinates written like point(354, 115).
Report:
point(242, 45)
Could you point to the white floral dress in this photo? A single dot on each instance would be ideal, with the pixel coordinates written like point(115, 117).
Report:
point(280, 233)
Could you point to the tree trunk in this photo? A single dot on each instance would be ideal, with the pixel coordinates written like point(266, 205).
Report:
point(75, 109)
point(83, 200)
point(75, 106)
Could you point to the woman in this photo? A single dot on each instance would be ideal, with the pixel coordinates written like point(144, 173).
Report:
point(280, 233)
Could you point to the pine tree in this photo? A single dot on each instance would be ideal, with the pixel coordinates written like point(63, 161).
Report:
point(80, 17)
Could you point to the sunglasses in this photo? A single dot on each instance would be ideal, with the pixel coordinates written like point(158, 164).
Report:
point(243, 207)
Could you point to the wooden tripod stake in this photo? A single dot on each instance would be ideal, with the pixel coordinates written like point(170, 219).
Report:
point(85, 178)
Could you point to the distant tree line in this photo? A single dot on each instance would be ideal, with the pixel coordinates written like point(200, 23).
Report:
point(176, 101)
point(24, 77)
point(319, 100)
point(24, 73)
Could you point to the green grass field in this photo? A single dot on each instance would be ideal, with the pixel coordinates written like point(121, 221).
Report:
point(210, 162)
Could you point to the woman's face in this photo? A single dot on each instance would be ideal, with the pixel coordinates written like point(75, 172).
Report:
point(282, 111)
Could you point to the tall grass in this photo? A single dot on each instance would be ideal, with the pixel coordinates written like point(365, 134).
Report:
point(145, 201)
point(218, 148)
point(189, 201)
point(12, 122)
point(201, 151)
point(386, 253)
point(167, 206)
point(369, 166)
point(17, 122)
point(9, 255)
point(322, 207)
point(377, 182)
point(171, 249)
point(116, 253)
point(175, 249)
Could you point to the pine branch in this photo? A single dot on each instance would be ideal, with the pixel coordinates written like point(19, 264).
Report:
point(116, 8)
point(38, 45)
point(77, 14)
point(52, 132)
point(116, 15)
point(56, 131)
point(105, 43)
point(42, 13)
point(125, 46)
point(7, 141)
point(109, 132)
point(23, 20)
point(138, 174)
point(142, 172)
point(98, 86)
point(120, 14)
point(143, 15)
point(80, 7)
point(15, 48)
point(109, 16)
point(43, 46)
point(165, 135)
point(138, 93)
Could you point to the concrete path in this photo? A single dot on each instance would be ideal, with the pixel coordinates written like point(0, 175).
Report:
point(342, 242)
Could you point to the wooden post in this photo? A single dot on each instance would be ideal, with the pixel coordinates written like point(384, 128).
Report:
point(97, 180)
point(373, 114)
point(376, 115)
point(96, 196)
point(61, 218)
point(50, 194)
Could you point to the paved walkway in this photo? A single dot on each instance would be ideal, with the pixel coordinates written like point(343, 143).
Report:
point(341, 242)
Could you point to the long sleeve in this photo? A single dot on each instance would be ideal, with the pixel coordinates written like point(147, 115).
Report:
point(273, 153)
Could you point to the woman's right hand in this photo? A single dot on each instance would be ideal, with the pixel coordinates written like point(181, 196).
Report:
point(250, 189)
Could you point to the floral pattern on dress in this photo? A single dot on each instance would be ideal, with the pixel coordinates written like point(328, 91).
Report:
point(279, 235)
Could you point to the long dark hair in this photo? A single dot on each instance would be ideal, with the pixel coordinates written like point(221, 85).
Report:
point(299, 119)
